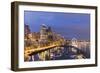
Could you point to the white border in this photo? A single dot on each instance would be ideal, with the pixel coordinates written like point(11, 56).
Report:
point(23, 64)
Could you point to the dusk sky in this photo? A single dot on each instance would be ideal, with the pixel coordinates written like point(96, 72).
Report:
point(69, 25)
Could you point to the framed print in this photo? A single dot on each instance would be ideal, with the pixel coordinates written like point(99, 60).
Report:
point(52, 36)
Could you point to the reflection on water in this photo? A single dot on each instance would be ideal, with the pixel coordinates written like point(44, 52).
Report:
point(61, 53)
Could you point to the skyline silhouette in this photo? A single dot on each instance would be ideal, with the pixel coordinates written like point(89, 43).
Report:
point(68, 25)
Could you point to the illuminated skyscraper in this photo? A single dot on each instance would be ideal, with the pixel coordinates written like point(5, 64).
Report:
point(43, 32)
point(26, 30)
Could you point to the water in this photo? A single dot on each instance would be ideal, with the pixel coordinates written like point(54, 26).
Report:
point(61, 53)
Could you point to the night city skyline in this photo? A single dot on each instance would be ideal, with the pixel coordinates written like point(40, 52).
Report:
point(68, 25)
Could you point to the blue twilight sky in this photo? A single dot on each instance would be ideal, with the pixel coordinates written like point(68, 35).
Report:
point(69, 25)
